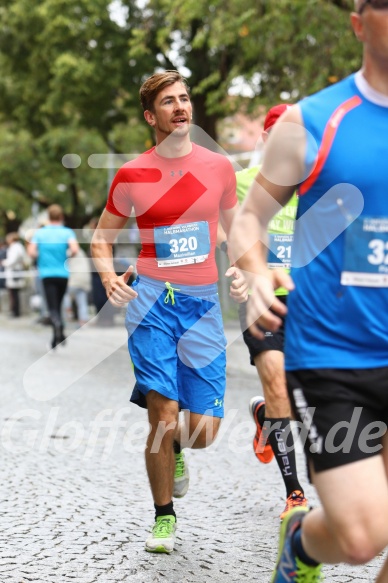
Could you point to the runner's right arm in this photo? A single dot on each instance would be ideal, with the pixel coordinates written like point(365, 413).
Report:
point(107, 230)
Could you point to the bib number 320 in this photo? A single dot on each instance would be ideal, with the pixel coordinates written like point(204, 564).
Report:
point(183, 244)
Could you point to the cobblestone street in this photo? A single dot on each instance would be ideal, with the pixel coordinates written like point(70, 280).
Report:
point(75, 503)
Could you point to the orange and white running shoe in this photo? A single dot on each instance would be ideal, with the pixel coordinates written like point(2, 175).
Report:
point(296, 498)
point(261, 446)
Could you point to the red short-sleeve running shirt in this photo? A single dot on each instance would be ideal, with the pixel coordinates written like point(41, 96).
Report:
point(186, 193)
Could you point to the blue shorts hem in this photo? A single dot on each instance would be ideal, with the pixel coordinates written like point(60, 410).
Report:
point(214, 412)
point(138, 396)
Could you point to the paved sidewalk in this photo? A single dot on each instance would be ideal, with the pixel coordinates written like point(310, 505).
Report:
point(75, 503)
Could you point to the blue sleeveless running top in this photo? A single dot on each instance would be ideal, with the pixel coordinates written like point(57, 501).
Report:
point(338, 312)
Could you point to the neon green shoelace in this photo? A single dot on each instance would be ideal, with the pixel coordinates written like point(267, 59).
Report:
point(179, 465)
point(164, 526)
point(170, 293)
point(307, 574)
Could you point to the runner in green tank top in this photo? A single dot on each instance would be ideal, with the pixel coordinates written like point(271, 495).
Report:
point(273, 437)
point(281, 226)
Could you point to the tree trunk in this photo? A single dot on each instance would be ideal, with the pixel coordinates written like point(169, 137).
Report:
point(202, 119)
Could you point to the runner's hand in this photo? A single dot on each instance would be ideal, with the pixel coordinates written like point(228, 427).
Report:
point(117, 290)
point(263, 297)
point(239, 287)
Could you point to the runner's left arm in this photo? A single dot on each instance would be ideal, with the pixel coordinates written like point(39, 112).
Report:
point(239, 287)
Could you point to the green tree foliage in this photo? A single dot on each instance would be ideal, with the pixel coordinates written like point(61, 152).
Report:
point(71, 71)
point(67, 62)
point(32, 173)
point(64, 62)
point(274, 48)
point(66, 86)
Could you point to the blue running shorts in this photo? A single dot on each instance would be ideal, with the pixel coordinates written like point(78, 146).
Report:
point(177, 345)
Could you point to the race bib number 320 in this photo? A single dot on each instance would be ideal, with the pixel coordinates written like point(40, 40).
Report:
point(182, 244)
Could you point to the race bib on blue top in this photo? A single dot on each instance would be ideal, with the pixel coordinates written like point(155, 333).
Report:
point(366, 253)
point(280, 250)
point(182, 244)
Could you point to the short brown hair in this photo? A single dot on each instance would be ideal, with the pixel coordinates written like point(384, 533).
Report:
point(154, 84)
point(12, 237)
point(55, 212)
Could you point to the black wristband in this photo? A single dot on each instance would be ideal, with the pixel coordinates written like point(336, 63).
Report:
point(224, 247)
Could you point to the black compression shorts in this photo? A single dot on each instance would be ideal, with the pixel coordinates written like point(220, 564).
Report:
point(343, 413)
point(272, 340)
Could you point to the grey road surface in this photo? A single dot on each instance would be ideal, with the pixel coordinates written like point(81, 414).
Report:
point(75, 503)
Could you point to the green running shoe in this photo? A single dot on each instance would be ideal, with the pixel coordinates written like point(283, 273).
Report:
point(289, 568)
point(162, 537)
point(181, 476)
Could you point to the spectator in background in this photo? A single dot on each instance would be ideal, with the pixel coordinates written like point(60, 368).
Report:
point(51, 245)
point(38, 300)
point(104, 309)
point(3, 254)
point(14, 263)
point(79, 286)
